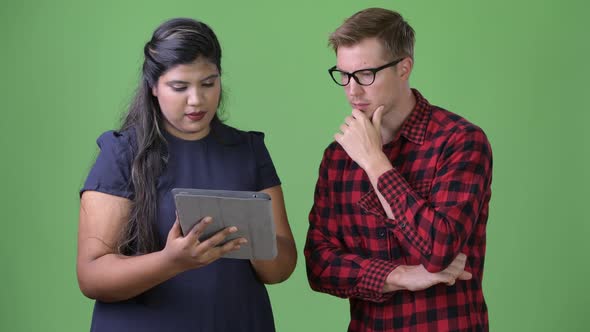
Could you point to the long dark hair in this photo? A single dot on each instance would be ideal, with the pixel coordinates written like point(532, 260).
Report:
point(176, 41)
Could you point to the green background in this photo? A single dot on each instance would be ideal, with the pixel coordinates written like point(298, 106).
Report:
point(518, 69)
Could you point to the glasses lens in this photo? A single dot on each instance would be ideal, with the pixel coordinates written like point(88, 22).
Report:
point(365, 77)
point(339, 77)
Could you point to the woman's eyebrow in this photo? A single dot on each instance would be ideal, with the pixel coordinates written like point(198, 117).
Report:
point(210, 77)
point(176, 82)
point(185, 82)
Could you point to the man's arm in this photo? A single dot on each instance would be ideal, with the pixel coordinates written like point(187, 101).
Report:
point(435, 230)
point(331, 268)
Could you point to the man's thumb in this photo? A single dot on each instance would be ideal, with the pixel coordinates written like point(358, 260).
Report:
point(377, 116)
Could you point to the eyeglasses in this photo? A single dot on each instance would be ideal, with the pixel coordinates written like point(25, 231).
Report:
point(362, 76)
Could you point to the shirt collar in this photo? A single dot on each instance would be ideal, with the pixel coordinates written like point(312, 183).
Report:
point(414, 127)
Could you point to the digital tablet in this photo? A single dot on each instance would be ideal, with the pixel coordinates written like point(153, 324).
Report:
point(249, 211)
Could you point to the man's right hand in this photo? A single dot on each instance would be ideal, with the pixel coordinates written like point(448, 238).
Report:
point(416, 278)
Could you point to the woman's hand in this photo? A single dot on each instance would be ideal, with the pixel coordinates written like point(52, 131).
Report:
point(187, 252)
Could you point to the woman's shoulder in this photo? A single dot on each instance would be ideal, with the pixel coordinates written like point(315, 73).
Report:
point(233, 136)
point(111, 172)
point(121, 139)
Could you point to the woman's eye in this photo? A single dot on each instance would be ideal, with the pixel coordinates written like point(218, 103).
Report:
point(178, 88)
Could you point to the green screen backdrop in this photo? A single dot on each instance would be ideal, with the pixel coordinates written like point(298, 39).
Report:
point(518, 69)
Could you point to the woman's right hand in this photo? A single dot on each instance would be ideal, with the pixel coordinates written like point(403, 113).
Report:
point(187, 252)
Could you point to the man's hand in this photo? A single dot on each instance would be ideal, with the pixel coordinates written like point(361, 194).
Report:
point(361, 138)
point(416, 278)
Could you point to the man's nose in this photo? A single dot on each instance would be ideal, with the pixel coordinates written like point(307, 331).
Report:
point(353, 88)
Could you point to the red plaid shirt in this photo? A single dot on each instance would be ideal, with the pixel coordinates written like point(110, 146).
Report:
point(438, 190)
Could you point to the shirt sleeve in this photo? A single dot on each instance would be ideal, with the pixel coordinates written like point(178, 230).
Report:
point(111, 172)
point(266, 174)
point(330, 267)
point(435, 230)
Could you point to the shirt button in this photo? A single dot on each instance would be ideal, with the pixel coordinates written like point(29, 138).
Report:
point(402, 225)
point(381, 233)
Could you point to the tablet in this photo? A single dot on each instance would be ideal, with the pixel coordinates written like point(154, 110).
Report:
point(249, 211)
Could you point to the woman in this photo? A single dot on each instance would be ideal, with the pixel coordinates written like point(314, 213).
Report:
point(132, 257)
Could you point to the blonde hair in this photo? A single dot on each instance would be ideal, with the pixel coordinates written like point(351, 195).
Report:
point(396, 35)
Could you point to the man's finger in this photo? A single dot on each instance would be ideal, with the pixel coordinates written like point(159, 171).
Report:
point(465, 276)
point(348, 120)
point(358, 114)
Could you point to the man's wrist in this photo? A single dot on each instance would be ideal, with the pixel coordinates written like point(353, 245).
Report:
point(377, 167)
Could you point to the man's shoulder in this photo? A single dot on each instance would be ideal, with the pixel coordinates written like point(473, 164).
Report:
point(447, 123)
point(453, 132)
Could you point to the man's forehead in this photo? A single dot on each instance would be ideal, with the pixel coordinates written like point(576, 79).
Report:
point(360, 55)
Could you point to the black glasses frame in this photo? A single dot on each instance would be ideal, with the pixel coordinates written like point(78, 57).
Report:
point(353, 74)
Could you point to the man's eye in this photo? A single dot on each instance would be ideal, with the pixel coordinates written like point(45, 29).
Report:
point(364, 74)
point(208, 84)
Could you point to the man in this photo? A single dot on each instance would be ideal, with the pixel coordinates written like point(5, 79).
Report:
point(401, 203)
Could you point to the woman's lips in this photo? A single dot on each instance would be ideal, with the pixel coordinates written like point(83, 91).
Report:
point(196, 116)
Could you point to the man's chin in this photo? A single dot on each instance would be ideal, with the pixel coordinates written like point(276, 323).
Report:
point(366, 110)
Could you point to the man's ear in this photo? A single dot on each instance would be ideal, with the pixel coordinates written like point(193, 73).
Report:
point(404, 68)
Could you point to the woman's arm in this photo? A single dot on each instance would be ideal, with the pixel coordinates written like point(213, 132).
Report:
point(105, 275)
point(280, 268)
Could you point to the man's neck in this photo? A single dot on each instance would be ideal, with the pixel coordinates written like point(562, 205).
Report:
point(393, 120)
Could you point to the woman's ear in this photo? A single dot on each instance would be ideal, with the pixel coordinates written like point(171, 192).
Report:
point(155, 91)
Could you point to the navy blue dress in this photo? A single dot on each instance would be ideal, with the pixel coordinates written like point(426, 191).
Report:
point(223, 296)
